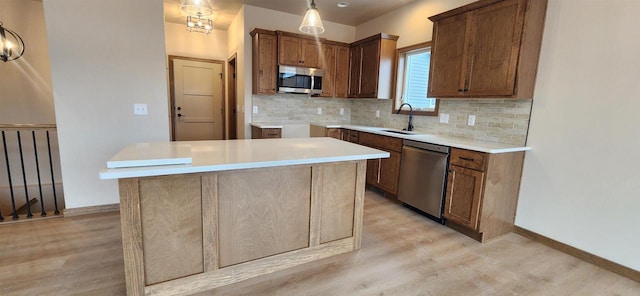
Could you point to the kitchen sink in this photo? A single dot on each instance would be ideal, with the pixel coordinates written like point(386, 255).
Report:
point(399, 132)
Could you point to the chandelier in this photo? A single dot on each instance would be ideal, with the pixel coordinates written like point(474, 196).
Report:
point(7, 52)
point(198, 12)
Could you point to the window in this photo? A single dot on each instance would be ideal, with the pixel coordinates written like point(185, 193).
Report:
point(413, 79)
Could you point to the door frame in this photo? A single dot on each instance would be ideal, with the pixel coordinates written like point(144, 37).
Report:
point(172, 99)
point(232, 97)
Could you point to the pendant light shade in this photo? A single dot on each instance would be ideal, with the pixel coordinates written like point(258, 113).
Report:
point(312, 24)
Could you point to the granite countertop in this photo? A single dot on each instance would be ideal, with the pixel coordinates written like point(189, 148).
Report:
point(210, 156)
point(463, 143)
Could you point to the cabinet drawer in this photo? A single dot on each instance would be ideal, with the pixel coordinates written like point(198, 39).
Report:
point(391, 143)
point(271, 133)
point(468, 159)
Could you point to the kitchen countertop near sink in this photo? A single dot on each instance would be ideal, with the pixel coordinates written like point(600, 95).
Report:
point(463, 143)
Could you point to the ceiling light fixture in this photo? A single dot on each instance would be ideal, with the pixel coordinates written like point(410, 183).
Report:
point(7, 52)
point(343, 4)
point(198, 12)
point(311, 23)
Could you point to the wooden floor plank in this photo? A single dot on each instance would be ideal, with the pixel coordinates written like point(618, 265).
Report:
point(402, 253)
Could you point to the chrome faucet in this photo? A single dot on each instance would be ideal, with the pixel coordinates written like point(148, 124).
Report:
point(410, 125)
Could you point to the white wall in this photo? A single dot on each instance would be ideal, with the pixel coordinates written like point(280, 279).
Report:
point(179, 41)
point(581, 183)
point(236, 38)
point(256, 17)
point(104, 60)
point(25, 84)
point(410, 22)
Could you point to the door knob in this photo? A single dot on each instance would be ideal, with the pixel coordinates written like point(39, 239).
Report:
point(179, 108)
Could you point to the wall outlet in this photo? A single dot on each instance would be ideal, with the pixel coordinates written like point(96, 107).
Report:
point(319, 111)
point(377, 113)
point(255, 109)
point(140, 109)
point(444, 118)
point(341, 111)
point(472, 120)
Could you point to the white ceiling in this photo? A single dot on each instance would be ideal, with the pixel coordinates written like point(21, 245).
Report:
point(358, 12)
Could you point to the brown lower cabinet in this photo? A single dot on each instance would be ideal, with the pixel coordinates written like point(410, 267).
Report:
point(387, 174)
point(320, 131)
point(382, 173)
point(265, 133)
point(482, 192)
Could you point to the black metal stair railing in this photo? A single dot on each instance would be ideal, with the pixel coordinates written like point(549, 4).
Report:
point(24, 167)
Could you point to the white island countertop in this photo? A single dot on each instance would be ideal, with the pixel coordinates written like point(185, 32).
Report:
point(211, 156)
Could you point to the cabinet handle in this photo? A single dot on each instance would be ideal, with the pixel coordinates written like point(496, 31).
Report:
point(272, 134)
point(379, 165)
point(466, 158)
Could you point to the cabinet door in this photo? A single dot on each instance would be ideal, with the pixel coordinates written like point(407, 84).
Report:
point(373, 167)
point(341, 85)
point(464, 196)
point(289, 51)
point(310, 53)
point(389, 172)
point(266, 64)
point(370, 61)
point(335, 133)
point(354, 71)
point(328, 70)
point(448, 56)
point(346, 135)
point(496, 31)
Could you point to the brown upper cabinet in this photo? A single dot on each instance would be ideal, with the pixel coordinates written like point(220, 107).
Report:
point(335, 69)
point(488, 48)
point(296, 50)
point(372, 66)
point(265, 48)
point(342, 71)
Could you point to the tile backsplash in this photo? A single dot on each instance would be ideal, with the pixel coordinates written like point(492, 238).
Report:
point(497, 120)
point(295, 108)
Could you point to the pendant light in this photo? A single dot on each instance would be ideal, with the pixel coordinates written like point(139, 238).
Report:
point(10, 51)
point(312, 24)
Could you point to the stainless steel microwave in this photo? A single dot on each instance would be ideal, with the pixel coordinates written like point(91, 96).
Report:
point(299, 80)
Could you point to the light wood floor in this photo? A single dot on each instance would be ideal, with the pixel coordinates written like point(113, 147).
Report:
point(402, 254)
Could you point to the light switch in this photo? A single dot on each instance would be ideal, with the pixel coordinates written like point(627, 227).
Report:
point(472, 120)
point(255, 109)
point(319, 111)
point(341, 111)
point(377, 113)
point(444, 118)
point(140, 109)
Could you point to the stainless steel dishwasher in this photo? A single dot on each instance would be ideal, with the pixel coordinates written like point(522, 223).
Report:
point(423, 172)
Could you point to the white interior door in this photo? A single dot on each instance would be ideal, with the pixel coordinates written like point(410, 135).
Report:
point(198, 101)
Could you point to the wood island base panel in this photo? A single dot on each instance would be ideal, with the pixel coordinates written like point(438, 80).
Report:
point(190, 233)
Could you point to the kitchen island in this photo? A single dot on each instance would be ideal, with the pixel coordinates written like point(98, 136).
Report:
point(236, 209)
